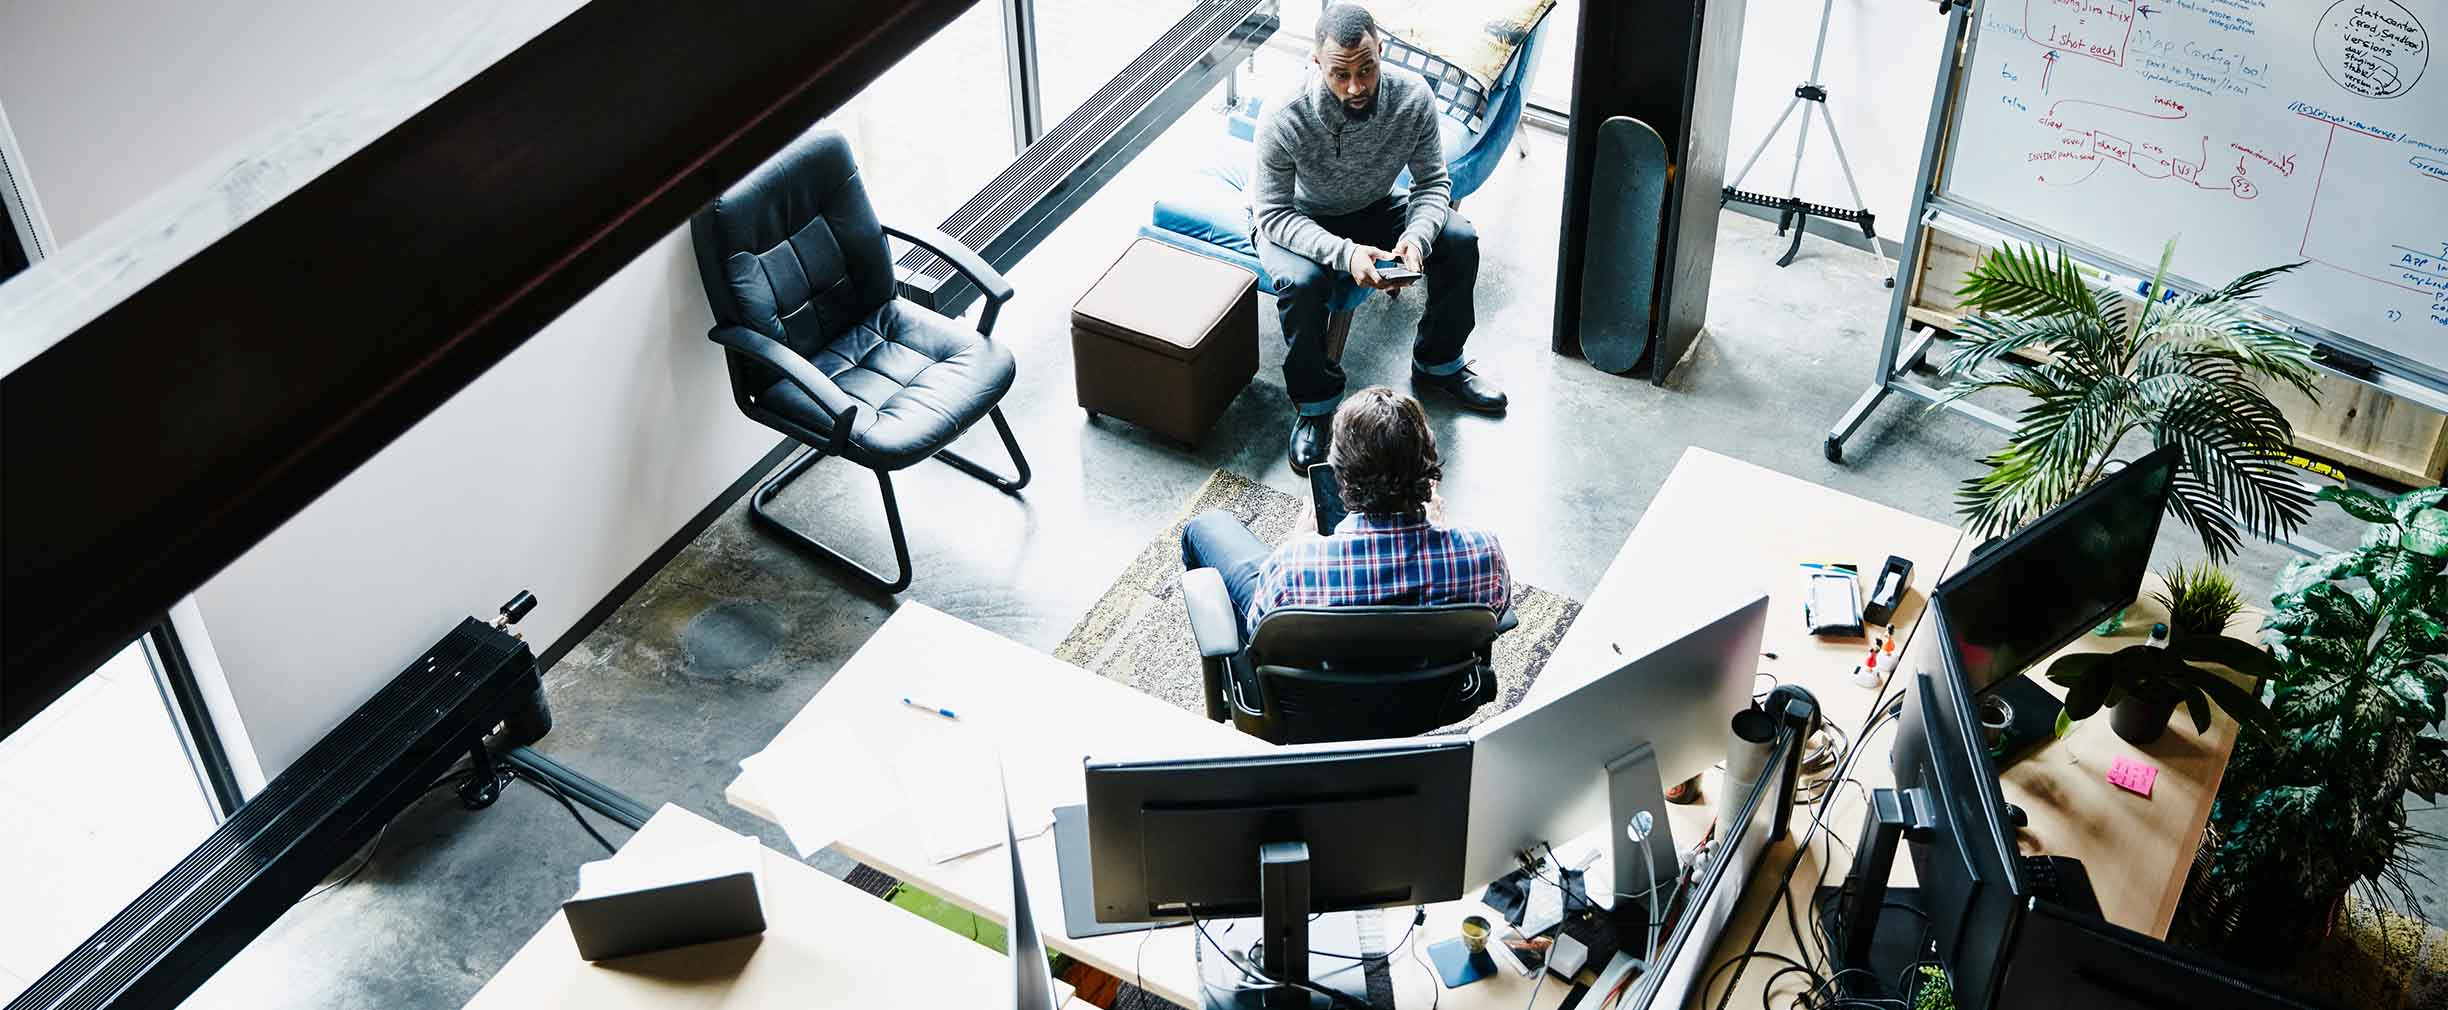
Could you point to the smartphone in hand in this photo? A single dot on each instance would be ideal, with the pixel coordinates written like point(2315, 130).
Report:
point(1327, 494)
point(1393, 272)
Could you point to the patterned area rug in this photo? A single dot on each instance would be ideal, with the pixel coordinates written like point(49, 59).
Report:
point(1138, 633)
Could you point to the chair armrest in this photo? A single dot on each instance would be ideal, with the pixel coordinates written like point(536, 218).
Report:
point(964, 259)
point(1212, 622)
point(841, 406)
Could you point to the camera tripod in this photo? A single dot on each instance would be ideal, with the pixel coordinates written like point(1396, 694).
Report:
point(1794, 213)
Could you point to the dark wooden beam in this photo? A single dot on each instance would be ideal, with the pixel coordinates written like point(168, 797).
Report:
point(155, 444)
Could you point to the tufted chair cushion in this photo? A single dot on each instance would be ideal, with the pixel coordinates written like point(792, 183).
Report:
point(923, 379)
point(795, 252)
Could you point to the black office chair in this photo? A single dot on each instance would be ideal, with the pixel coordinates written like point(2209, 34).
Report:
point(1321, 674)
point(801, 280)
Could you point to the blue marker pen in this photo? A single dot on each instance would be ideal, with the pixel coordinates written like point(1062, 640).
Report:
point(930, 709)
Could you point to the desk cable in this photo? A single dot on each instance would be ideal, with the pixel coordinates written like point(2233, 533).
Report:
point(1890, 692)
point(374, 847)
point(1251, 974)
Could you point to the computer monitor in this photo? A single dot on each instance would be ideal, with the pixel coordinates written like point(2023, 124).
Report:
point(1947, 801)
point(1547, 772)
point(2067, 959)
point(1281, 835)
point(2026, 596)
point(1970, 869)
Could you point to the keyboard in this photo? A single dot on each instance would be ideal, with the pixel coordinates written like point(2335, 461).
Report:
point(2060, 881)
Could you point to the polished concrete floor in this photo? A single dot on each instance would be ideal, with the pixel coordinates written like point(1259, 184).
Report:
point(712, 656)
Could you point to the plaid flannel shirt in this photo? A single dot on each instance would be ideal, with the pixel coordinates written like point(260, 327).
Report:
point(1384, 560)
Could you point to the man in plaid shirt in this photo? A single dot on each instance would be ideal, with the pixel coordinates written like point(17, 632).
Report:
point(1393, 548)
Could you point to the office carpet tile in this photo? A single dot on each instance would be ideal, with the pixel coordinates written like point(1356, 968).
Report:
point(1138, 632)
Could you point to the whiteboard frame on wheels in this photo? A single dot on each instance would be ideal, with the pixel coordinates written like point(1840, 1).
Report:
point(2422, 381)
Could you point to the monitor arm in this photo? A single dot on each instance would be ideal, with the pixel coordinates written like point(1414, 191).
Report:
point(1894, 815)
point(1283, 897)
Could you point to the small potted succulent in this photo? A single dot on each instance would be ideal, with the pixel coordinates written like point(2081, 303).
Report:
point(2144, 684)
point(2199, 600)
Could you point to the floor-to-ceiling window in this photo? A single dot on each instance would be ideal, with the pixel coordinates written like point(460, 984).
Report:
point(1081, 44)
point(100, 793)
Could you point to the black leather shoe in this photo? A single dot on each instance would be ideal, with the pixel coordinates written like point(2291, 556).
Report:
point(1472, 390)
point(1309, 438)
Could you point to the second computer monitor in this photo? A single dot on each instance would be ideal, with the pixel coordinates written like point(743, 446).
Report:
point(2024, 597)
point(1539, 772)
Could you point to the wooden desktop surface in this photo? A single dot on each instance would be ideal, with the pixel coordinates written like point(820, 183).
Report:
point(825, 944)
point(1720, 530)
point(1046, 717)
point(2137, 850)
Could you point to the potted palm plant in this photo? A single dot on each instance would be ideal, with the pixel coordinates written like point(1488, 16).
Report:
point(2315, 808)
point(2184, 371)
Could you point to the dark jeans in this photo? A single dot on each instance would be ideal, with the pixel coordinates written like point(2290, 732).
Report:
point(1215, 539)
point(1303, 288)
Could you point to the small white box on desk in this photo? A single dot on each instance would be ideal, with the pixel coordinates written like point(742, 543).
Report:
point(636, 904)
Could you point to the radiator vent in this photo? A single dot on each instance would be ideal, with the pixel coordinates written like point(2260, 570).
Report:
point(1072, 161)
point(163, 945)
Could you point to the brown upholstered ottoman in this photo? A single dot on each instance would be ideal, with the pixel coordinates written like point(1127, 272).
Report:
point(1165, 339)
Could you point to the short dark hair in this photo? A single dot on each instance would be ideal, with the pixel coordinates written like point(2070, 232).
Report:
point(1384, 456)
point(1345, 25)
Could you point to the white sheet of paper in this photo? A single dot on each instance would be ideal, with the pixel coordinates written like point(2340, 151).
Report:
point(823, 783)
point(1546, 907)
point(1596, 861)
point(954, 794)
point(644, 871)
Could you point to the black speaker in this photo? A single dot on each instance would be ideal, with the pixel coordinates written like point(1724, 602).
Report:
point(1669, 64)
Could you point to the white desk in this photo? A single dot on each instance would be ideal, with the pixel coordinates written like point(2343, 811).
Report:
point(1717, 530)
point(825, 944)
point(1048, 716)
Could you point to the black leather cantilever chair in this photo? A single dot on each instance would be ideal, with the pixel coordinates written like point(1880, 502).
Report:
point(801, 281)
point(1323, 674)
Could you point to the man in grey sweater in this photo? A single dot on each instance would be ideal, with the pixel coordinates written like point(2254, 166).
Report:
point(1328, 156)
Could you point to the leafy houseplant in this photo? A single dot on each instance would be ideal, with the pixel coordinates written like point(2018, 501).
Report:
point(1934, 991)
point(2315, 808)
point(2200, 600)
point(2145, 683)
point(2183, 370)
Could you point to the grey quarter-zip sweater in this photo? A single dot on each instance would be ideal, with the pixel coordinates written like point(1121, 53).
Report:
point(1315, 161)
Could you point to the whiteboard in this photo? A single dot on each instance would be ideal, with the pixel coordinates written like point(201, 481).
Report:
point(2256, 132)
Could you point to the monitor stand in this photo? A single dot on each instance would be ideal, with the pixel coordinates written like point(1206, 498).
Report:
point(1286, 935)
point(1634, 789)
point(1884, 946)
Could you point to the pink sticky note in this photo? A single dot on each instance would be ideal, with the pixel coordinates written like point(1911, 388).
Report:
point(2133, 776)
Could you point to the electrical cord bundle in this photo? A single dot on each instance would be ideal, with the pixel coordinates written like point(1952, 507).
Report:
point(553, 790)
point(1263, 981)
point(502, 775)
point(374, 847)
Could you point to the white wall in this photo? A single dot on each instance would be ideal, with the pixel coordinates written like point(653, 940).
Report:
point(1882, 64)
point(558, 471)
